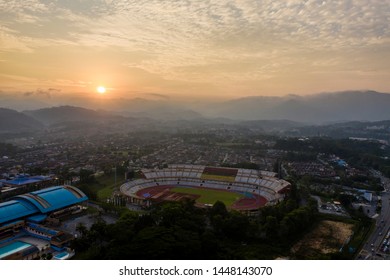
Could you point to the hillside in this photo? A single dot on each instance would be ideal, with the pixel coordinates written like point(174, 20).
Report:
point(70, 114)
point(12, 121)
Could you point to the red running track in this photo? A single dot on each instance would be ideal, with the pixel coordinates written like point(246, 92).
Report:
point(246, 203)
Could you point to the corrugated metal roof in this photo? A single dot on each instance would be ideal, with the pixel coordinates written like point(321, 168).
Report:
point(52, 199)
point(25, 180)
point(37, 218)
point(12, 210)
point(40, 202)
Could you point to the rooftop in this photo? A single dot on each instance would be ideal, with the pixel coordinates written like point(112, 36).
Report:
point(26, 180)
point(40, 202)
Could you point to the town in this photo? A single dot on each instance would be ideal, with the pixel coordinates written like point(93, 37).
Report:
point(100, 163)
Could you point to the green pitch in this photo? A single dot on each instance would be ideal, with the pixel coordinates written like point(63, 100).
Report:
point(210, 196)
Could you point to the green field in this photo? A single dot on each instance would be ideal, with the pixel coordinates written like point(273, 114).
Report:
point(102, 188)
point(210, 196)
point(106, 186)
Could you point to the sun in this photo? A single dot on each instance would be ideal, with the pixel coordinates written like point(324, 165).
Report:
point(101, 89)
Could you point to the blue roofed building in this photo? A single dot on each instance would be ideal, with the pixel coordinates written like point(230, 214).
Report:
point(29, 214)
point(18, 250)
point(54, 198)
point(42, 202)
point(24, 183)
point(342, 163)
point(14, 210)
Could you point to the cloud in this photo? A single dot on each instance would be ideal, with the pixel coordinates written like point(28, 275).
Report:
point(42, 92)
point(156, 95)
point(209, 40)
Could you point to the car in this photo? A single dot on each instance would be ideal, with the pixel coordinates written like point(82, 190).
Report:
point(380, 233)
point(372, 244)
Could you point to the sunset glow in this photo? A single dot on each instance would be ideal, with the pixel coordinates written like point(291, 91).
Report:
point(217, 50)
point(101, 89)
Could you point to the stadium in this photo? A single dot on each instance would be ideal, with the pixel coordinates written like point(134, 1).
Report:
point(240, 189)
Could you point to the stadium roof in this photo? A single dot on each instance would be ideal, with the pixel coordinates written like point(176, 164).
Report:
point(40, 202)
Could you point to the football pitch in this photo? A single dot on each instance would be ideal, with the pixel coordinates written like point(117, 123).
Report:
point(210, 196)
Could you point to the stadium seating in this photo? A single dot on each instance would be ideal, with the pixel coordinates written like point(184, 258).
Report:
point(263, 183)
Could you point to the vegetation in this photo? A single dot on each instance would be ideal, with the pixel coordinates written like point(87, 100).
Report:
point(324, 241)
point(175, 230)
point(98, 188)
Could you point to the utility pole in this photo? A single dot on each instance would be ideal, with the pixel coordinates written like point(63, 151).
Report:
point(115, 175)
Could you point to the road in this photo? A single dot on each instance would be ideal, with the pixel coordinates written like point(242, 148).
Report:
point(371, 250)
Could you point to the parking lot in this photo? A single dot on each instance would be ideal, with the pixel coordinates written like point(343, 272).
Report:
point(87, 220)
point(385, 244)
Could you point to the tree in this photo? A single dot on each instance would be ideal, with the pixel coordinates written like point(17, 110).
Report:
point(86, 176)
point(219, 208)
point(271, 227)
point(81, 228)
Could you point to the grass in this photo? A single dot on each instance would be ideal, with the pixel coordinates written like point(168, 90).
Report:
point(209, 196)
point(218, 177)
point(105, 186)
point(108, 183)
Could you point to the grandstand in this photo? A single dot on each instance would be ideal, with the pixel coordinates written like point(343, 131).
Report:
point(252, 183)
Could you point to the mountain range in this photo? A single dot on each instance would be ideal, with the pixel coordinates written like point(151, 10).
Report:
point(261, 112)
point(314, 109)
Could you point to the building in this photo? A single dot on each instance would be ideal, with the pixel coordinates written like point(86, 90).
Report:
point(28, 215)
point(260, 187)
point(24, 183)
point(18, 250)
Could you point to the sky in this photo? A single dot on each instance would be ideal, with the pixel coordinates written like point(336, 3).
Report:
point(183, 49)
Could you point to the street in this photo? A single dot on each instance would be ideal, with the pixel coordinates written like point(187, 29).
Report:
point(373, 247)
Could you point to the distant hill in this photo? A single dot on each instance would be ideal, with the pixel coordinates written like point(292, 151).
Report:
point(323, 108)
point(368, 130)
point(168, 115)
point(70, 114)
point(319, 108)
point(12, 121)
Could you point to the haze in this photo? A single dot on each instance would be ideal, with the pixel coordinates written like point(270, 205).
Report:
point(191, 50)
